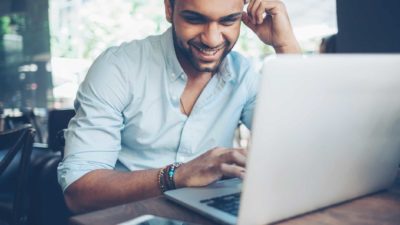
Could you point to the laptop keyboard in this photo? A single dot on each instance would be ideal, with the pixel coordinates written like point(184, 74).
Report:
point(226, 203)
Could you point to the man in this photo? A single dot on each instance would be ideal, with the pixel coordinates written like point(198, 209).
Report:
point(177, 97)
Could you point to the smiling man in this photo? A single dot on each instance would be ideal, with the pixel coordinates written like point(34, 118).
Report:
point(160, 113)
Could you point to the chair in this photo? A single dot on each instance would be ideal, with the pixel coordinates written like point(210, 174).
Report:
point(27, 117)
point(15, 152)
point(58, 121)
point(47, 195)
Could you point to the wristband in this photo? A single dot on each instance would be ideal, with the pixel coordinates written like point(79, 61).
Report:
point(171, 173)
point(166, 177)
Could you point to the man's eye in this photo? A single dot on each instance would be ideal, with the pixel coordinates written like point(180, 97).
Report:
point(194, 20)
point(227, 22)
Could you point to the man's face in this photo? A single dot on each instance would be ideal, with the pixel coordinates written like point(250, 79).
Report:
point(205, 31)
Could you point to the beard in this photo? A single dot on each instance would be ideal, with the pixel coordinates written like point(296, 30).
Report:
point(198, 64)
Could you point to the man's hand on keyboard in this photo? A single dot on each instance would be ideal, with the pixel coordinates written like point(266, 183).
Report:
point(212, 166)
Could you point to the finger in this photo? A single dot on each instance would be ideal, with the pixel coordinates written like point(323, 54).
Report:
point(232, 170)
point(235, 156)
point(273, 7)
point(247, 21)
point(253, 10)
point(249, 6)
point(243, 151)
point(260, 13)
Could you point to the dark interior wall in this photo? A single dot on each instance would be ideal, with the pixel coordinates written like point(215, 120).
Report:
point(37, 47)
point(5, 6)
point(368, 26)
point(37, 33)
point(11, 6)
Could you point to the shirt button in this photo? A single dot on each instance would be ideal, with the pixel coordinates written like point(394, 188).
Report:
point(183, 77)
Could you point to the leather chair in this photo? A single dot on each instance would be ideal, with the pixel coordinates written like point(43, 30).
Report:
point(15, 153)
point(27, 117)
point(48, 205)
point(58, 121)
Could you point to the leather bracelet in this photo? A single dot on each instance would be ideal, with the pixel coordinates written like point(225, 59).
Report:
point(166, 177)
point(171, 173)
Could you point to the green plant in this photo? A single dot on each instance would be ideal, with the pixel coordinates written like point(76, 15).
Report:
point(5, 25)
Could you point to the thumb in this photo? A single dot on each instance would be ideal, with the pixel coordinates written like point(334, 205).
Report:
point(247, 21)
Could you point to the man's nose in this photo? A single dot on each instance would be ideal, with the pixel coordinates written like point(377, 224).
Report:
point(212, 36)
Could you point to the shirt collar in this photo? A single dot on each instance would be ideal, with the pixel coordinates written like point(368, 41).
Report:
point(176, 70)
point(173, 64)
point(225, 70)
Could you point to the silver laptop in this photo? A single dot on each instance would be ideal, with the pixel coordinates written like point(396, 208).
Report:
point(326, 130)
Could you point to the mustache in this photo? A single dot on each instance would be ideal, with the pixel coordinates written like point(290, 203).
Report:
point(202, 46)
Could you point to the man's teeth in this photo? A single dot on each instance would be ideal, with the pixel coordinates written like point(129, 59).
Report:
point(209, 51)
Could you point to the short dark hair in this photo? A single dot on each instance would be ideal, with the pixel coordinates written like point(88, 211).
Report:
point(172, 2)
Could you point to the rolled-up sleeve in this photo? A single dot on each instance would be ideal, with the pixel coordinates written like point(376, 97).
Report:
point(93, 137)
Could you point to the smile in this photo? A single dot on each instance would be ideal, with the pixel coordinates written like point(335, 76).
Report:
point(209, 51)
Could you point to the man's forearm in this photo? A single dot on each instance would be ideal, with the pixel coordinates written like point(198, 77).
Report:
point(104, 188)
point(293, 48)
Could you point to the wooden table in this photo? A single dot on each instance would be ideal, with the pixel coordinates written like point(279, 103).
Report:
point(379, 208)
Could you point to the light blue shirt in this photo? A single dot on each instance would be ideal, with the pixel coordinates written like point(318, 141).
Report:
point(128, 108)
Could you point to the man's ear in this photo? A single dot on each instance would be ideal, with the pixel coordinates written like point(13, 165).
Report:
point(168, 10)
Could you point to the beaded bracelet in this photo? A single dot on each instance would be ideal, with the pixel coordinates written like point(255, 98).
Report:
point(166, 177)
point(171, 172)
point(161, 182)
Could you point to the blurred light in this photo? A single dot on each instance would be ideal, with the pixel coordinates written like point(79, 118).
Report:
point(22, 76)
point(34, 86)
point(28, 68)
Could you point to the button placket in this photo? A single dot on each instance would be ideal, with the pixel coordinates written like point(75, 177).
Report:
point(188, 140)
point(175, 91)
point(208, 93)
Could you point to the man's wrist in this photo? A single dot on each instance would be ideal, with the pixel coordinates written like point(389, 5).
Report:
point(167, 177)
point(178, 178)
point(292, 48)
